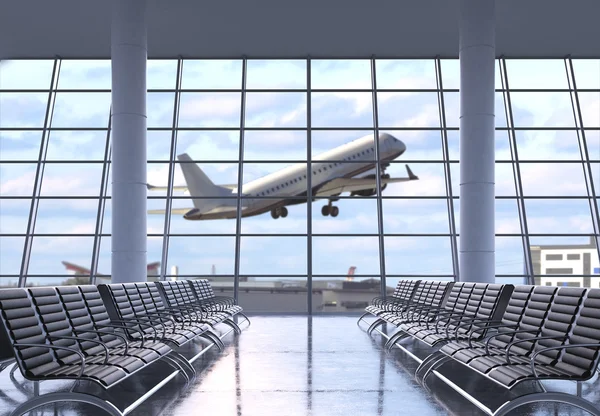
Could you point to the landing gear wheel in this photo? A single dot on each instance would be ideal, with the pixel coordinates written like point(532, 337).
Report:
point(325, 210)
point(283, 212)
point(335, 211)
point(274, 214)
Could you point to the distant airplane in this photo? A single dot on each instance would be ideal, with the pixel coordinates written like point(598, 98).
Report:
point(331, 177)
point(82, 271)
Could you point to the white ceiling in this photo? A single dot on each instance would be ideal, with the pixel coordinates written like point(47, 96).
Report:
point(279, 29)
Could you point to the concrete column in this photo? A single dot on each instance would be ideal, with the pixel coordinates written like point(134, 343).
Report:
point(128, 64)
point(477, 54)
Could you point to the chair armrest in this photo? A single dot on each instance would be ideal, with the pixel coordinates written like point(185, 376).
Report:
point(56, 347)
point(510, 345)
point(50, 337)
point(107, 333)
point(487, 327)
point(520, 331)
point(123, 327)
point(558, 347)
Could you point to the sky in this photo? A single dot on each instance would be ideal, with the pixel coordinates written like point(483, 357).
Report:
point(549, 166)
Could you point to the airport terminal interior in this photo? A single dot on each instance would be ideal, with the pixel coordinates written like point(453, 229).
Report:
point(391, 228)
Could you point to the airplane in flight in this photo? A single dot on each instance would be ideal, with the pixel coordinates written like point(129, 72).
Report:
point(333, 172)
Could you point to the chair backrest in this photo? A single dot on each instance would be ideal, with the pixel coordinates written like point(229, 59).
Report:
point(21, 325)
point(186, 292)
point(54, 320)
point(527, 317)
point(559, 320)
point(172, 294)
point(495, 300)
point(80, 318)
point(203, 289)
point(405, 289)
point(458, 302)
point(422, 291)
point(438, 293)
point(586, 330)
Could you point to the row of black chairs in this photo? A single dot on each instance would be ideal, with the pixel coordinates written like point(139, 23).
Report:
point(107, 333)
point(494, 344)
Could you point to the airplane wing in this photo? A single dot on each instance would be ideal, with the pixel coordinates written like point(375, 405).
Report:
point(340, 185)
point(178, 211)
point(182, 188)
point(164, 188)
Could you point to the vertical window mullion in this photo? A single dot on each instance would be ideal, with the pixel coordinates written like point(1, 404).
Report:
point(171, 178)
point(101, 203)
point(39, 174)
point(447, 171)
point(240, 183)
point(529, 271)
point(378, 180)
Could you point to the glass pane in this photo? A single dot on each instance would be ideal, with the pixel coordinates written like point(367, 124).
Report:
point(589, 102)
point(220, 109)
point(159, 109)
point(71, 179)
point(159, 145)
point(85, 74)
point(210, 145)
point(260, 220)
point(196, 255)
point(356, 216)
point(275, 74)
point(161, 74)
point(587, 73)
point(10, 258)
point(17, 179)
point(48, 252)
point(542, 109)
point(212, 74)
point(408, 109)
point(509, 256)
point(418, 256)
point(274, 257)
point(596, 178)
point(26, 74)
point(536, 74)
point(451, 74)
point(14, 216)
point(63, 216)
point(275, 145)
point(569, 216)
point(265, 109)
point(323, 141)
point(340, 74)
point(20, 145)
point(452, 109)
point(80, 109)
point(333, 255)
point(76, 145)
point(431, 182)
point(592, 138)
point(343, 109)
point(548, 145)
point(25, 110)
point(405, 74)
point(415, 216)
point(549, 179)
point(154, 247)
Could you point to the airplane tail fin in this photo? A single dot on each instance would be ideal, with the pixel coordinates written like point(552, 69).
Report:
point(200, 185)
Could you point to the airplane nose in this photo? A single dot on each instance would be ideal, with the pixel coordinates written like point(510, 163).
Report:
point(400, 146)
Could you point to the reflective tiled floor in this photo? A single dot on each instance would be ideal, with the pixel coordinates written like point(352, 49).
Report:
point(291, 365)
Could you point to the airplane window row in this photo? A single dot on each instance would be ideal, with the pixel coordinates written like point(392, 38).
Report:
point(299, 178)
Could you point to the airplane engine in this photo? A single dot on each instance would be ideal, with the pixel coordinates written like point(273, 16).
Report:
point(369, 192)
